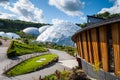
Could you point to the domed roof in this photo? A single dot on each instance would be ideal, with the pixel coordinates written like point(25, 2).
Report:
point(59, 33)
point(43, 28)
point(12, 35)
point(31, 30)
point(3, 34)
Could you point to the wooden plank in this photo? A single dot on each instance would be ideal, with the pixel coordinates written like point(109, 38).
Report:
point(80, 45)
point(89, 47)
point(116, 47)
point(95, 45)
point(85, 50)
point(77, 46)
point(104, 48)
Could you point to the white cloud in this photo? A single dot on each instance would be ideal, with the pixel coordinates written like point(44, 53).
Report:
point(70, 7)
point(7, 16)
point(58, 21)
point(4, 3)
point(25, 10)
point(114, 9)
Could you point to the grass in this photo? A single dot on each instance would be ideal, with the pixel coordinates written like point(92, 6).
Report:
point(31, 64)
point(69, 49)
point(18, 48)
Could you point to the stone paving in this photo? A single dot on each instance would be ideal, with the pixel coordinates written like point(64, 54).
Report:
point(63, 56)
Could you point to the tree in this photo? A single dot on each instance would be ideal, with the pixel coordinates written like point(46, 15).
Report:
point(106, 15)
point(82, 25)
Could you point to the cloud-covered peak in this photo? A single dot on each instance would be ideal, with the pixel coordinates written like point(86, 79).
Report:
point(70, 7)
point(114, 9)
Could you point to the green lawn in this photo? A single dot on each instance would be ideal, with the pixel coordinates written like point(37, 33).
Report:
point(18, 48)
point(31, 64)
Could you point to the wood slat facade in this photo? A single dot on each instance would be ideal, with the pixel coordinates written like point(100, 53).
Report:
point(85, 49)
point(104, 48)
point(116, 47)
point(93, 45)
point(94, 42)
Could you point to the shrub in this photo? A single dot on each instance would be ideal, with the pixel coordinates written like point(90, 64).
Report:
point(74, 74)
point(18, 48)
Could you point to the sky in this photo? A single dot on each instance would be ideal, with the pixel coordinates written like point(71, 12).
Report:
point(50, 11)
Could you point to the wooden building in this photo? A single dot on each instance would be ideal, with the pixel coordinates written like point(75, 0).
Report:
point(99, 43)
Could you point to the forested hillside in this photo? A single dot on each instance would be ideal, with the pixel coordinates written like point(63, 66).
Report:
point(8, 25)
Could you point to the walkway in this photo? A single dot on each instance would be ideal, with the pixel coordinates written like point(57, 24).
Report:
point(64, 59)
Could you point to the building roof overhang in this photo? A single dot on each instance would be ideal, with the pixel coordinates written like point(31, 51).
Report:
point(101, 23)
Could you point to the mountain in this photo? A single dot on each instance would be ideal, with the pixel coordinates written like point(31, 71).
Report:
point(60, 33)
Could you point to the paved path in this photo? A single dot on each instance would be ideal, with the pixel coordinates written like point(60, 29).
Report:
point(64, 59)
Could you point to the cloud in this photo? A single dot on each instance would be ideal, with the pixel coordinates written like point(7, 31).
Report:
point(69, 7)
point(7, 16)
point(114, 9)
point(58, 21)
point(4, 1)
point(25, 10)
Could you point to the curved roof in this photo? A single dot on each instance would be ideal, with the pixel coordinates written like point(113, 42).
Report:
point(12, 35)
point(3, 34)
point(43, 28)
point(59, 33)
point(31, 30)
point(101, 23)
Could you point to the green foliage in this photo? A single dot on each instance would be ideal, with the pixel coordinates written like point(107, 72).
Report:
point(16, 25)
point(18, 48)
point(69, 49)
point(25, 66)
point(82, 25)
point(25, 36)
point(74, 74)
point(106, 15)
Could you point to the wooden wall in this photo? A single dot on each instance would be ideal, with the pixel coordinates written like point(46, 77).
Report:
point(92, 46)
point(116, 47)
point(94, 41)
point(85, 48)
point(104, 48)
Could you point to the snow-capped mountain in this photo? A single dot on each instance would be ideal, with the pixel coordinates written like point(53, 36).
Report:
point(59, 33)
